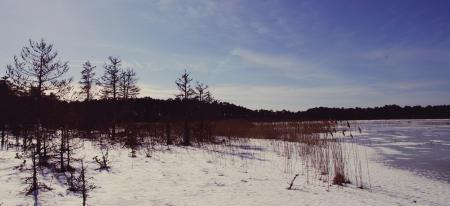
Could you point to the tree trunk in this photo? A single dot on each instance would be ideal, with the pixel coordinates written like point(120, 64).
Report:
point(186, 136)
point(61, 151)
point(38, 107)
point(38, 142)
point(44, 141)
point(168, 135)
point(68, 150)
point(3, 135)
point(83, 182)
point(25, 141)
point(34, 187)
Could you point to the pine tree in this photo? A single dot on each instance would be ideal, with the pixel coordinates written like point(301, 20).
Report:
point(37, 70)
point(184, 86)
point(87, 81)
point(127, 84)
point(200, 90)
point(186, 94)
point(110, 85)
point(110, 80)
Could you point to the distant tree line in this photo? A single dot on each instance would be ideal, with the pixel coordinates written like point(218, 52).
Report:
point(369, 113)
point(385, 112)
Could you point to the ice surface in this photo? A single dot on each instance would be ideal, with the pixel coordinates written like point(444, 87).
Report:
point(415, 145)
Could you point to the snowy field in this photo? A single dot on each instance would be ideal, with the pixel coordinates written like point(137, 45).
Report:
point(250, 173)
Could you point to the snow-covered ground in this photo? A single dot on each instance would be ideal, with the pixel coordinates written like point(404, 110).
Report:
point(242, 174)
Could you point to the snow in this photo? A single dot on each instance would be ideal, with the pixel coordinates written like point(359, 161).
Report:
point(250, 173)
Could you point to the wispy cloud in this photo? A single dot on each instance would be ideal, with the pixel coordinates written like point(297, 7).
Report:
point(271, 54)
point(402, 55)
point(270, 61)
point(296, 68)
point(155, 91)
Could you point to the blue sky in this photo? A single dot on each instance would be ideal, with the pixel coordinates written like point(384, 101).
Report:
point(257, 53)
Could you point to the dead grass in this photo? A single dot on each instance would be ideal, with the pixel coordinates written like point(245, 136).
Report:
point(327, 149)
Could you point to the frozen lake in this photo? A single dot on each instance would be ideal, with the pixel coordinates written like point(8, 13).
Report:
point(421, 146)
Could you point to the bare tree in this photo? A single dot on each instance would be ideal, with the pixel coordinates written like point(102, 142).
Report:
point(185, 87)
point(37, 70)
point(87, 81)
point(202, 93)
point(127, 84)
point(81, 184)
point(208, 97)
point(110, 80)
point(203, 96)
point(62, 150)
point(186, 93)
point(66, 148)
point(104, 161)
point(84, 186)
point(110, 85)
point(34, 185)
point(200, 90)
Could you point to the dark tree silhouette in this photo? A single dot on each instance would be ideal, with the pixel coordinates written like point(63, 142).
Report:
point(38, 68)
point(186, 94)
point(185, 87)
point(84, 186)
point(34, 185)
point(110, 83)
point(87, 81)
point(200, 91)
point(203, 96)
point(81, 184)
point(127, 84)
point(62, 150)
point(7, 108)
point(38, 71)
point(104, 161)
point(110, 80)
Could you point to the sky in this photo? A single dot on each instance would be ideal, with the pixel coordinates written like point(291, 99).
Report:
point(261, 54)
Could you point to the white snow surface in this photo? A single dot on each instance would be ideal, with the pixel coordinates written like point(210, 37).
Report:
point(214, 175)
